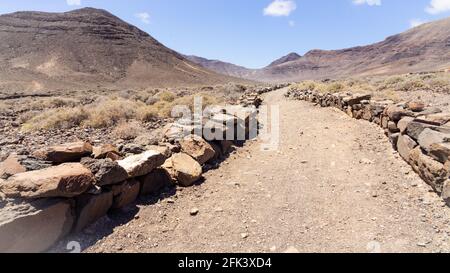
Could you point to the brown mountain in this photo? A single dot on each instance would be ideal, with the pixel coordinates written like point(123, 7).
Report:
point(288, 58)
point(221, 67)
point(88, 48)
point(424, 48)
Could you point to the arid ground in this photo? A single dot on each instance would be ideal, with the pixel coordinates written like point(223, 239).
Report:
point(334, 185)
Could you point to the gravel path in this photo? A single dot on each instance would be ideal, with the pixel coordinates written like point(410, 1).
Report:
point(334, 185)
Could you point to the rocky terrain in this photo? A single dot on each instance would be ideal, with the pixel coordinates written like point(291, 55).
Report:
point(423, 48)
point(72, 185)
point(337, 186)
point(88, 49)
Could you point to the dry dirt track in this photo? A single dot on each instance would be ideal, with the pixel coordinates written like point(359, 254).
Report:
point(335, 185)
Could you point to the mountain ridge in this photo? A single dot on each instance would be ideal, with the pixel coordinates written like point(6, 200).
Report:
point(423, 48)
point(87, 48)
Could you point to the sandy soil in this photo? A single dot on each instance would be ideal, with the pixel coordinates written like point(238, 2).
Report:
point(334, 185)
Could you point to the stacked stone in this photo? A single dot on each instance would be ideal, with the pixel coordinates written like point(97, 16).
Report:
point(251, 99)
point(83, 183)
point(421, 134)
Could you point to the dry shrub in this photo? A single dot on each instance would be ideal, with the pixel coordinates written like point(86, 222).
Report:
point(110, 111)
point(390, 94)
point(394, 80)
point(167, 96)
point(58, 118)
point(335, 87)
point(127, 130)
point(411, 85)
point(147, 113)
point(56, 102)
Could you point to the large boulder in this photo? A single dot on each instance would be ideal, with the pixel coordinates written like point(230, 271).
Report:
point(438, 118)
point(156, 180)
point(405, 145)
point(395, 113)
point(416, 127)
point(66, 180)
point(183, 169)
point(430, 170)
point(106, 171)
point(142, 164)
point(34, 227)
point(11, 166)
point(90, 208)
point(429, 137)
point(403, 124)
point(440, 152)
point(416, 106)
point(197, 148)
point(69, 152)
point(125, 193)
point(356, 99)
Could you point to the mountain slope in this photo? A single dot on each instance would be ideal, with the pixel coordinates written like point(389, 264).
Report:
point(87, 48)
point(288, 58)
point(424, 48)
point(220, 67)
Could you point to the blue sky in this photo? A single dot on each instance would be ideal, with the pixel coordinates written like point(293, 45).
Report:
point(255, 32)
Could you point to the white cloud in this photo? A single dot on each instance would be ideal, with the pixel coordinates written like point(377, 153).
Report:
point(438, 6)
point(144, 17)
point(73, 2)
point(292, 23)
point(280, 8)
point(416, 22)
point(368, 2)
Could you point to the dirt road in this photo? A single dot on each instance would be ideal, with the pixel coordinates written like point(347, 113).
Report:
point(334, 185)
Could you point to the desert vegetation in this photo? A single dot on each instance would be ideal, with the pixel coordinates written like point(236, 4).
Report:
point(383, 86)
point(106, 111)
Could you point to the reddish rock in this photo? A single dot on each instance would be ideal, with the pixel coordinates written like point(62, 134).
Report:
point(125, 193)
point(156, 180)
point(91, 207)
point(69, 152)
point(11, 166)
point(430, 170)
point(416, 106)
point(197, 148)
point(183, 169)
point(104, 151)
point(66, 180)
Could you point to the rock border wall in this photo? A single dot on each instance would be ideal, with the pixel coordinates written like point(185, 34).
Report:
point(80, 183)
point(420, 134)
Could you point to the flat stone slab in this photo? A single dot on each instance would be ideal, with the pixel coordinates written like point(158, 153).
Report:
point(142, 164)
point(66, 180)
point(34, 227)
point(69, 152)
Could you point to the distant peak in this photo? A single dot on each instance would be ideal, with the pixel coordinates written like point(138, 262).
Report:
point(288, 58)
point(89, 10)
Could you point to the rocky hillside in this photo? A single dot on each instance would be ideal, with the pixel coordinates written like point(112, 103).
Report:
point(221, 67)
point(424, 48)
point(288, 58)
point(88, 48)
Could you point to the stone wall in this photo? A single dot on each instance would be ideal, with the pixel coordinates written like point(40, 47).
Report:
point(81, 183)
point(420, 134)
